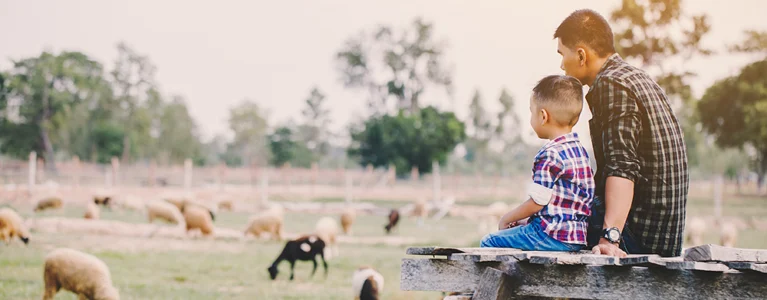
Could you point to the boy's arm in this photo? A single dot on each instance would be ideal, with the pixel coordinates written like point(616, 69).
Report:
point(525, 210)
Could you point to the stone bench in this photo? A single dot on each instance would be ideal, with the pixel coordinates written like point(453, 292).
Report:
point(704, 272)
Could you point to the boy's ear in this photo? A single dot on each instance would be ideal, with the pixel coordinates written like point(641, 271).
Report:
point(545, 116)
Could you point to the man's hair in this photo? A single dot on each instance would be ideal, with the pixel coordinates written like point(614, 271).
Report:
point(589, 28)
point(561, 96)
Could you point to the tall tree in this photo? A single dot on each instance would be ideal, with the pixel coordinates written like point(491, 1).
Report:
point(249, 124)
point(178, 136)
point(654, 32)
point(39, 90)
point(395, 64)
point(133, 78)
point(755, 42)
point(314, 131)
point(480, 132)
point(734, 111)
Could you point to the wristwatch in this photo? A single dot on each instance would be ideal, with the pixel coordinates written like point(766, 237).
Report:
point(612, 234)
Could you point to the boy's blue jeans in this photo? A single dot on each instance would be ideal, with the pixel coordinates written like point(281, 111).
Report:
point(530, 237)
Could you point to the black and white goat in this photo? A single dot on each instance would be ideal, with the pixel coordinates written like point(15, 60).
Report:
point(367, 284)
point(304, 248)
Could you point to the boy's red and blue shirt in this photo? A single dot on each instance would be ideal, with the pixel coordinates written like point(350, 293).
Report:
point(564, 184)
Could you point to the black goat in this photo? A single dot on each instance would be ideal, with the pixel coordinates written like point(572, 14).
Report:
point(304, 248)
point(393, 220)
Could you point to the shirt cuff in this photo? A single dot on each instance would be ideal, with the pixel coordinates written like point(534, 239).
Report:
point(541, 195)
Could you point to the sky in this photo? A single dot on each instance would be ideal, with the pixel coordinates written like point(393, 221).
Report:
point(274, 52)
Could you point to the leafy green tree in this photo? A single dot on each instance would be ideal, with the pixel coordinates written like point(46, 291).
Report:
point(480, 133)
point(314, 132)
point(38, 91)
point(108, 140)
point(178, 136)
point(248, 121)
point(395, 64)
point(407, 140)
point(734, 111)
point(755, 42)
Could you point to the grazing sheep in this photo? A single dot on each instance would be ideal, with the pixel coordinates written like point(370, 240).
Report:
point(197, 217)
point(266, 222)
point(729, 234)
point(393, 220)
point(79, 273)
point(327, 230)
point(130, 202)
point(102, 200)
point(164, 211)
point(347, 219)
point(12, 225)
point(91, 211)
point(177, 201)
point(225, 205)
point(419, 211)
point(49, 202)
point(367, 284)
point(694, 231)
point(304, 248)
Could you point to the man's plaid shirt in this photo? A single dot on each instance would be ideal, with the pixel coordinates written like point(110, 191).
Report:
point(637, 136)
point(564, 184)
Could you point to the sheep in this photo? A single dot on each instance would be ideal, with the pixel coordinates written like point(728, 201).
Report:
point(130, 202)
point(419, 211)
point(266, 222)
point(102, 200)
point(304, 248)
point(367, 284)
point(729, 234)
point(12, 225)
point(49, 202)
point(225, 205)
point(197, 217)
point(327, 230)
point(91, 211)
point(694, 231)
point(177, 201)
point(78, 272)
point(164, 211)
point(348, 216)
point(393, 220)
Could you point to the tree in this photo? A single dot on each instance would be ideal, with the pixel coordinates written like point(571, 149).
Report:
point(480, 133)
point(314, 131)
point(395, 64)
point(646, 31)
point(249, 124)
point(39, 90)
point(133, 78)
point(407, 140)
point(507, 132)
point(178, 137)
point(734, 111)
point(755, 42)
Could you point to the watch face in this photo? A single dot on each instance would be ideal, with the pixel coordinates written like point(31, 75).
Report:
point(614, 235)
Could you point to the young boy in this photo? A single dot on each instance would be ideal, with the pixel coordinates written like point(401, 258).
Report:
point(560, 194)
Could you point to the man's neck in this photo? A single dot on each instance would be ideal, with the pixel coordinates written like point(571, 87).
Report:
point(595, 67)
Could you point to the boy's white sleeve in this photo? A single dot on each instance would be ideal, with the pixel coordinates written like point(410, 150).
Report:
point(541, 195)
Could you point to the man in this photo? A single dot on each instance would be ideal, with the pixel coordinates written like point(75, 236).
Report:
point(642, 177)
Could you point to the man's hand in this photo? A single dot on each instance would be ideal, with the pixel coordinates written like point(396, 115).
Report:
point(607, 248)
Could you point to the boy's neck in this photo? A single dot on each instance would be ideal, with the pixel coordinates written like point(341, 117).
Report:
point(559, 131)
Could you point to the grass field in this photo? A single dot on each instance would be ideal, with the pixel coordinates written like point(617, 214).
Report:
point(207, 269)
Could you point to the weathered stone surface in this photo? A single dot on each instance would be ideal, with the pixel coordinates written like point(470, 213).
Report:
point(643, 261)
point(493, 286)
point(440, 275)
point(748, 266)
point(725, 254)
point(697, 266)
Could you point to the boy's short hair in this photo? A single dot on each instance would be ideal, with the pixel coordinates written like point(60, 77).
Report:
point(561, 96)
point(588, 27)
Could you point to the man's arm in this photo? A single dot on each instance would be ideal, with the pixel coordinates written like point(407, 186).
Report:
point(620, 139)
point(525, 210)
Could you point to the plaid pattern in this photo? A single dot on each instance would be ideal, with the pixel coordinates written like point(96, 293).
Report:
point(637, 136)
point(562, 165)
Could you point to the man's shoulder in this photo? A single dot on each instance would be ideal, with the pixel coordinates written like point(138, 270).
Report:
point(622, 74)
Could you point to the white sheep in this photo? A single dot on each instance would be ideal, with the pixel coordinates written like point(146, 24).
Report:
point(92, 211)
point(130, 202)
point(729, 234)
point(694, 232)
point(197, 217)
point(367, 283)
point(327, 230)
point(78, 272)
point(266, 222)
point(164, 211)
point(12, 225)
point(348, 216)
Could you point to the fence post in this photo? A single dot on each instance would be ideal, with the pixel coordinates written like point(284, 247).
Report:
point(315, 175)
point(115, 171)
point(437, 189)
point(40, 170)
point(718, 182)
point(32, 171)
point(349, 186)
point(392, 174)
point(152, 175)
point(414, 174)
point(76, 170)
point(187, 174)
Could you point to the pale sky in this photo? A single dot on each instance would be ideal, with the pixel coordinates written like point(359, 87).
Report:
point(216, 54)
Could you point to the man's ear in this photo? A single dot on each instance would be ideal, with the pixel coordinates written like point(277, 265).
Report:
point(581, 56)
